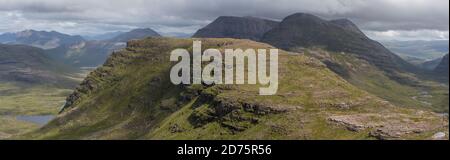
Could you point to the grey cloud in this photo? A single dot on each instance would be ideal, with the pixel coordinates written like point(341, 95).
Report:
point(185, 15)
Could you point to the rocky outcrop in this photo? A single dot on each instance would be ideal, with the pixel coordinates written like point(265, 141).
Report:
point(389, 126)
point(232, 113)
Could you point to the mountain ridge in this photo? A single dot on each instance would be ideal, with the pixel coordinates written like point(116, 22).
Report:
point(236, 27)
point(306, 30)
point(94, 52)
point(40, 39)
point(26, 64)
point(325, 106)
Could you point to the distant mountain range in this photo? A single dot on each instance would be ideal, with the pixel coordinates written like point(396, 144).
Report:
point(30, 65)
point(422, 50)
point(104, 36)
point(40, 39)
point(430, 65)
point(135, 34)
point(75, 50)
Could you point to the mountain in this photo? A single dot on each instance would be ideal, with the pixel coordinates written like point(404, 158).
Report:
point(303, 30)
point(236, 27)
point(85, 54)
point(347, 25)
point(363, 62)
point(104, 36)
point(30, 65)
point(423, 50)
point(40, 39)
point(135, 34)
point(7, 37)
point(131, 97)
point(94, 53)
point(442, 68)
point(431, 65)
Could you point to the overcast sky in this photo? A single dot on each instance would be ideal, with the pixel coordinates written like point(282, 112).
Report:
point(380, 19)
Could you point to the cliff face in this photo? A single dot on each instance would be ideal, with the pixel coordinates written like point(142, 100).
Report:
point(131, 97)
point(236, 27)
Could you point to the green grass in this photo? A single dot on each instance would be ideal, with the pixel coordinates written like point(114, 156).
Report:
point(25, 99)
point(134, 99)
point(9, 126)
point(35, 100)
point(369, 78)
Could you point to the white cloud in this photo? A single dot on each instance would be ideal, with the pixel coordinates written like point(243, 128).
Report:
point(93, 16)
point(408, 35)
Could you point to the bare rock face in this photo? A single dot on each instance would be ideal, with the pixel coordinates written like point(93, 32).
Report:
point(439, 136)
point(390, 126)
point(357, 122)
point(4, 135)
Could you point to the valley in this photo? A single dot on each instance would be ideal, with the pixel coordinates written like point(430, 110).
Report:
point(334, 83)
point(312, 103)
point(18, 102)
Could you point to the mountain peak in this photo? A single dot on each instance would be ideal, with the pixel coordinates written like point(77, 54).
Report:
point(138, 33)
point(303, 17)
point(347, 24)
point(40, 39)
point(236, 27)
point(306, 30)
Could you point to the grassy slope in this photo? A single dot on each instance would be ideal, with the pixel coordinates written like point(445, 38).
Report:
point(17, 99)
point(36, 100)
point(46, 98)
point(428, 95)
point(10, 126)
point(131, 97)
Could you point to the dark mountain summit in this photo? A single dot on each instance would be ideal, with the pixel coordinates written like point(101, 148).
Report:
point(302, 30)
point(135, 34)
point(236, 27)
point(347, 24)
point(40, 39)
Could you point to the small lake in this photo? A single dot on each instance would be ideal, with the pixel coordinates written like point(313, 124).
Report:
point(41, 120)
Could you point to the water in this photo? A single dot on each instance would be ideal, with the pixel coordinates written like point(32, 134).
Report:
point(41, 120)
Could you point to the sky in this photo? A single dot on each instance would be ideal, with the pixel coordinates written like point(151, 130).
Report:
point(379, 19)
